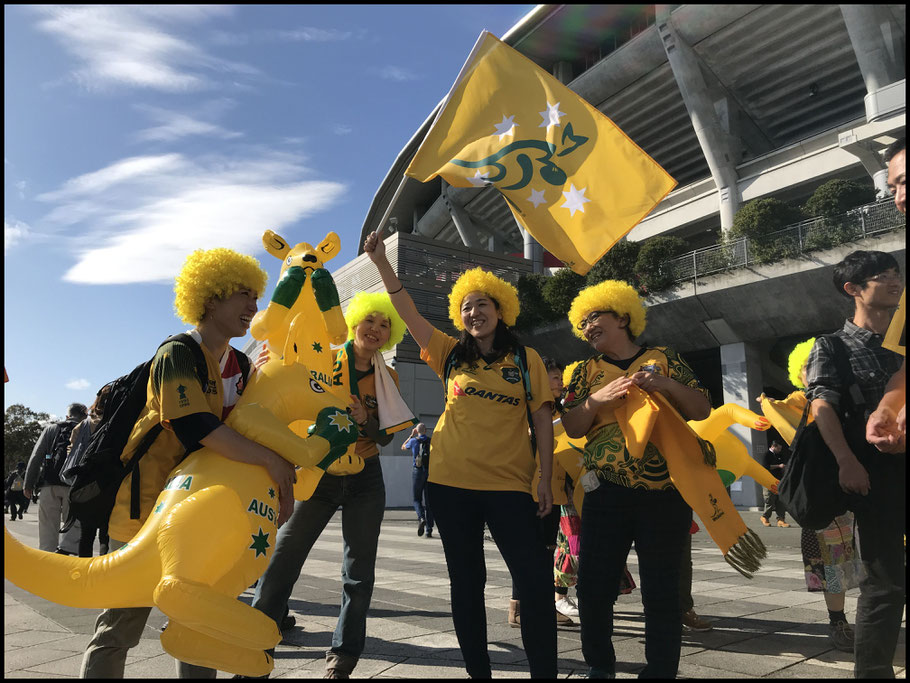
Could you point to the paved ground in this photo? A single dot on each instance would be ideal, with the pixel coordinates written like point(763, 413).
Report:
point(769, 627)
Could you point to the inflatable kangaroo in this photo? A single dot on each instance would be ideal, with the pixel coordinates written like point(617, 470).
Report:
point(211, 533)
point(305, 288)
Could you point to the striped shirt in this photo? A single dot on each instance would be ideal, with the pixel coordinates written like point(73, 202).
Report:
point(872, 366)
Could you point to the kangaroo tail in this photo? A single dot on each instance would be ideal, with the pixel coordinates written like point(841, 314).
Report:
point(123, 578)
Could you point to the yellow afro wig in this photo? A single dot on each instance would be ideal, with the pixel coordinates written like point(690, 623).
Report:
point(797, 361)
point(479, 280)
point(214, 273)
point(363, 304)
point(567, 373)
point(613, 295)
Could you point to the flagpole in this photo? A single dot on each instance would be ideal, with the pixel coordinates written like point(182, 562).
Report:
point(388, 210)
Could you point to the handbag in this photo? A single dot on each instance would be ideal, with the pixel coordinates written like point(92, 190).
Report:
point(810, 489)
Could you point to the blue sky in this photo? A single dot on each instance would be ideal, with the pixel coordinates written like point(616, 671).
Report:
point(134, 135)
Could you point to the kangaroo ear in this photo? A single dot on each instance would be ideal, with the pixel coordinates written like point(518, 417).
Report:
point(329, 246)
point(275, 245)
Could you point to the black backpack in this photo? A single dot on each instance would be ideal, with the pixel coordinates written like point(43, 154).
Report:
point(521, 360)
point(54, 459)
point(100, 472)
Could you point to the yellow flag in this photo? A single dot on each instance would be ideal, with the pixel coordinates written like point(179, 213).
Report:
point(572, 178)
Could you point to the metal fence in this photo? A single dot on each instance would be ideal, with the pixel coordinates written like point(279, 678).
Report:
point(801, 238)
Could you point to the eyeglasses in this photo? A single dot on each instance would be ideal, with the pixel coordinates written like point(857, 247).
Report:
point(592, 317)
point(886, 277)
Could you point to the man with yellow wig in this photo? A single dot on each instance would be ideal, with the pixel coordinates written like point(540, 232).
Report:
point(628, 499)
point(216, 292)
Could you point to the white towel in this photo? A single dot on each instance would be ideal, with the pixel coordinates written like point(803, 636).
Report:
point(394, 414)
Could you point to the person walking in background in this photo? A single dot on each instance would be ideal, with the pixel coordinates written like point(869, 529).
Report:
point(482, 458)
point(43, 473)
point(15, 483)
point(419, 445)
point(775, 461)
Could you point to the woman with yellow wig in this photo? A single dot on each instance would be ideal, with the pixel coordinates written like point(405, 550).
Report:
point(216, 292)
point(482, 460)
point(831, 562)
point(627, 499)
point(359, 372)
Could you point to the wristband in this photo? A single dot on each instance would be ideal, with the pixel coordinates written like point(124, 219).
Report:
point(397, 290)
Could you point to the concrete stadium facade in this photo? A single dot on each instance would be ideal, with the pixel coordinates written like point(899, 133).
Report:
point(737, 102)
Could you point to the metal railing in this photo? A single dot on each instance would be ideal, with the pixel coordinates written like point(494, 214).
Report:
point(801, 238)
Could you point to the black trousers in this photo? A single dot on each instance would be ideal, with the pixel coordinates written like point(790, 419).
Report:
point(881, 523)
point(510, 515)
point(657, 522)
point(773, 504)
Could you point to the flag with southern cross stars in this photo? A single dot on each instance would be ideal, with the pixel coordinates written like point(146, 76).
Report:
point(571, 177)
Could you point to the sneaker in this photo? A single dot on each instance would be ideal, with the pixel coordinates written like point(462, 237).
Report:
point(335, 673)
point(20, 515)
point(764, 521)
point(567, 607)
point(782, 523)
point(287, 623)
point(421, 525)
point(841, 635)
point(563, 620)
point(692, 622)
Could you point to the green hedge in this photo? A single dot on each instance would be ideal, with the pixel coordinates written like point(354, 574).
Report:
point(654, 272)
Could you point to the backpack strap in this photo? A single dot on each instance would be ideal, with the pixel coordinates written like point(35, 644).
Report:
point(243, 361)
point(852, 399)
point(202, 372)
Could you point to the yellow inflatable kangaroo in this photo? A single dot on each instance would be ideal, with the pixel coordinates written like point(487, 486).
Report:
point(210, 535)
point(305, 288)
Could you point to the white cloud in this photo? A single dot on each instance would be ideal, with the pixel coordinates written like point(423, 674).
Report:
point(395, 73)
point(78, 384)
point(316, 35)
point(144, 224)
point(136, 46)
point(14, 232)
point(304, 34)
point(175, 125)
point(342, 129)
point(20, 188)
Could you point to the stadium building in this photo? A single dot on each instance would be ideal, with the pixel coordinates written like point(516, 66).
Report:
point(737, 103)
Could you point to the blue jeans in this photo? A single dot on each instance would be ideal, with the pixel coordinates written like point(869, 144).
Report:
point(510, 515)
point(419, 482)
point(362, 499)
point(658, 522)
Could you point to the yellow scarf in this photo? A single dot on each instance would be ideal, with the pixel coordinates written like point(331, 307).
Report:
point(650, 417)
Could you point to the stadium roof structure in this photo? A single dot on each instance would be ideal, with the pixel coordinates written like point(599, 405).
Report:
point(777, 75)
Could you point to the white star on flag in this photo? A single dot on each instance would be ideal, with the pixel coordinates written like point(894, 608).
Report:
point(575, 200)
point(537, 198)
point(551, 116)
point(506, 127)
point(479, 179)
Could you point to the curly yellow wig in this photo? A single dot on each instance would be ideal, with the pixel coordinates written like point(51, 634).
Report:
point(214, 273)
point(614, 295)
point(567, 373)
point(365, 303)
point(479, 280)
point(797, 361)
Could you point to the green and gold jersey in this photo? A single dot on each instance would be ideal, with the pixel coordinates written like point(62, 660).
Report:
point(482, 441)
point(605, 450)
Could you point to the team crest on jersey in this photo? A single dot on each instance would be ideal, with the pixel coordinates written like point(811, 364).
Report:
point(370, 402)
point(511, 375)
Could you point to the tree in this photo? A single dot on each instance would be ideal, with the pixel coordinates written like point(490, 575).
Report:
point(21, 429)
point(616, 264)
point(534, 308)
point(651, 265)
point(758, 220)
point(831, 202)
point(561, 289)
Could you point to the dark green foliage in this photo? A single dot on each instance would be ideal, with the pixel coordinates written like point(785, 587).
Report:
point(836, 197)
point(560, 290)
point(651, 265)
point(616, 264)
point(534, 308)
point(21, 429)
point(758, 220)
